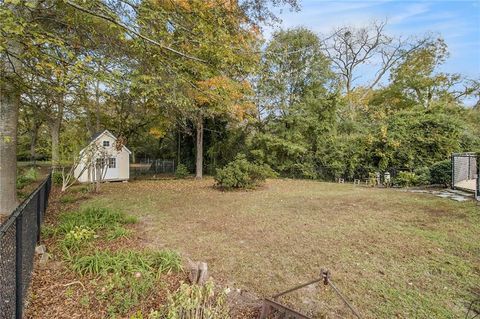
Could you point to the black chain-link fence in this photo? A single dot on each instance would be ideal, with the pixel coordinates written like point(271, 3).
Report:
point(153, 167)
point(465, 171)
point(19, 235)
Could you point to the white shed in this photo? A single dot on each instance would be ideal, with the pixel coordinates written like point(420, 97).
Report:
point(103, 150)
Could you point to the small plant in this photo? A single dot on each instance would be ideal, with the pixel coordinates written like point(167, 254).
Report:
point(181, 171)
point(57, 178)
point(240, 173)
point(441, 173)
point(195, 301)
point(118, 232)
point(406, 179)
point(77, 237)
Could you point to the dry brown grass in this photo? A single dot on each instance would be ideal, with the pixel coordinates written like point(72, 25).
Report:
point(393, 253)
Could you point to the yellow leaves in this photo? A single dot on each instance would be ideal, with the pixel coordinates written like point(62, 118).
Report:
point(157, 132)
point(383, 131)
point(223, 95)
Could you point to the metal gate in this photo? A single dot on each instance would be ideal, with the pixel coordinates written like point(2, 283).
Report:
point(465, 171)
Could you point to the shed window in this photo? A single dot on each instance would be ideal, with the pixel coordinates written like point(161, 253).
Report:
point(112, 162)
point(106, 143)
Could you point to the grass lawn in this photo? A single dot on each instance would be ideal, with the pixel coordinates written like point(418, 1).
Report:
point(393, 253)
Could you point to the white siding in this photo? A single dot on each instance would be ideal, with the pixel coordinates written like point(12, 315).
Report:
point(122, 160)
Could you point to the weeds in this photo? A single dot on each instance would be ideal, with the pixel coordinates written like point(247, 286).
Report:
point(196, 302)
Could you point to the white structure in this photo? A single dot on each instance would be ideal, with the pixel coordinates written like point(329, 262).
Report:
point(103, 159)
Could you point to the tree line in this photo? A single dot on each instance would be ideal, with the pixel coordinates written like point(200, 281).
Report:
point(195, 81)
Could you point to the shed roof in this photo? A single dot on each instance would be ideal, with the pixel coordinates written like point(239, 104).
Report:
point(97, 135)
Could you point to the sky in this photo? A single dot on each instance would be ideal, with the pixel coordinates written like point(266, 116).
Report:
point(458, 22)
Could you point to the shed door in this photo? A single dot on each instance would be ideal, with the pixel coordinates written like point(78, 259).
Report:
point(112, 171)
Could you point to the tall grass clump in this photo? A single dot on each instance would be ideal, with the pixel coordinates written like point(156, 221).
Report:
point(127, 262)
point(94, 218)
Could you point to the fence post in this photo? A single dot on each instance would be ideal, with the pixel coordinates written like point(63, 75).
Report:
point(19, 266)
point(453, 171)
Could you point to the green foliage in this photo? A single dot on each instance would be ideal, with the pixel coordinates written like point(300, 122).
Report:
point(195, 301)
point(28, 177)
point(181, 171)
point(118, 232)
point(441, 173)
point(93, 218)
point(77, 237)
point(124, 291)
point(67, 198)
point(240, 173)
point(57, 178)
point(127, 262)
point(406, 179)
point(423, 176)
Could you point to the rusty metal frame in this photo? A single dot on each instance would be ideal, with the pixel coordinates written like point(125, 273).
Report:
point(273, 307)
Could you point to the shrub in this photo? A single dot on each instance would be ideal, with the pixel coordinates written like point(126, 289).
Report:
point(30, 176)
point(423, 176)
point(196, 302)
point(441, 173)
point(57, 178)
point(406, 179)
point(240, 173)
point(181, 171)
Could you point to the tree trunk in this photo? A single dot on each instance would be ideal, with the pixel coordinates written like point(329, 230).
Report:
point(9, 104)
point(33, 141)
point(199, 156)
point(55, 133)
point(97, 106)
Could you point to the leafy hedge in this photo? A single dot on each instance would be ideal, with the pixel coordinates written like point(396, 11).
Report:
point(240, 173)
point(441, 173)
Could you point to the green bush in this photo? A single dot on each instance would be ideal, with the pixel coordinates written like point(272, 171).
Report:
point(181, 171)
point(441, 173)
point(406, 179)
point(423, 176)
point(195, 301)
point(57, 178)
point(240, 173)
point(30, 176)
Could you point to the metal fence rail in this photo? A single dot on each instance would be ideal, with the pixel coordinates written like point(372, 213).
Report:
point(19, 235)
